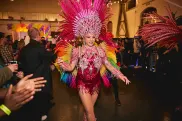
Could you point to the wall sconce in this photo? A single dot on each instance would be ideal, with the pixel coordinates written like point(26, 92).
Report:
point(22, 18)
point(45, 19)
point(10, 17)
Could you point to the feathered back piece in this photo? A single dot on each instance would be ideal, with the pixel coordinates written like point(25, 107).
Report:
point(82, 17)
point(165, 33)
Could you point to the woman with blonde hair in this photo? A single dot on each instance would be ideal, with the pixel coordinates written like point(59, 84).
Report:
point(84, 67)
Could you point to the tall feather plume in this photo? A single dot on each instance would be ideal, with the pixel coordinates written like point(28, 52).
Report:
point(166, 33)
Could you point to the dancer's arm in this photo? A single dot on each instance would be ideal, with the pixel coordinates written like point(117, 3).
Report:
point(69, 66)
point(112, 69)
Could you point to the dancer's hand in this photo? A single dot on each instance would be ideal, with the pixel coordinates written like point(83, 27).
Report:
point(125, 79)
point(60, 61)
point(34, 84)
point(15, 100)
point(65, 66)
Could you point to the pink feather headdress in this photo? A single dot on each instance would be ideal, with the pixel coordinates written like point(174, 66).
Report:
point(82, 17)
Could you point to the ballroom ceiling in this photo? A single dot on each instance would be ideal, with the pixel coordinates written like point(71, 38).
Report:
point(41, 6)
point(48, 6)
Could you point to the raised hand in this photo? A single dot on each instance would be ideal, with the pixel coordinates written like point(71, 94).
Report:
point(20, 74)
point(125, 79)
point(15, 100)
point(30, 84)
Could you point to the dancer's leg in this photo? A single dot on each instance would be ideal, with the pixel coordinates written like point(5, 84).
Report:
point(87, 102)
point(94, 99)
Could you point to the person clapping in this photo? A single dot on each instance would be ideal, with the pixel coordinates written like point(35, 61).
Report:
point(16, 96)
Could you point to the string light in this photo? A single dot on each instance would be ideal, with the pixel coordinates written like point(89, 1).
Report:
point(116, 1)
point(137, 1)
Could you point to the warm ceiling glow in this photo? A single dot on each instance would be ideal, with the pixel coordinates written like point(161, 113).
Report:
point(11, 0)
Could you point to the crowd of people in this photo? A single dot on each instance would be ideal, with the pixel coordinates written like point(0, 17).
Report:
point(133, 53)
point(26, 81)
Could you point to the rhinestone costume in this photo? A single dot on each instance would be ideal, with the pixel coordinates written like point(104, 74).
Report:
point(88, 76)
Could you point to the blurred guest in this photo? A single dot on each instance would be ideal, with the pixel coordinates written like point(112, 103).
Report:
point(5, 52)
point(21, 44)
point(15, 45)
point(127, 52)
point(43, 41)
point(9, 39)
point(27, 40)
point(137, 51)
point(120, 54)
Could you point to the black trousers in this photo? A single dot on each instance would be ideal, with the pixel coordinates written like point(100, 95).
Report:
point(114, 83)
point(135, 58)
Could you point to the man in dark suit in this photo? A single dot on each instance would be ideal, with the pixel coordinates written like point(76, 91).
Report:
point(34, 59)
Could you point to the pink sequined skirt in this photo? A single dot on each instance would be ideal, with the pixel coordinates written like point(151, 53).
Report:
point(88, 82)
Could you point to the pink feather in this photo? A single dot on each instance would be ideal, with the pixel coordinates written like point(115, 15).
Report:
point(106, 81)
point(71, 8)
point(165, 33)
